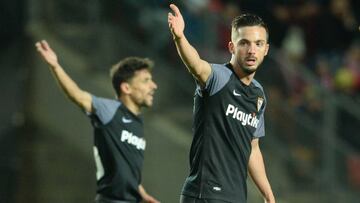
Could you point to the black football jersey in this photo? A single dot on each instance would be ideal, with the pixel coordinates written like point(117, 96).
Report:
point(119, 146)
point(227, 115)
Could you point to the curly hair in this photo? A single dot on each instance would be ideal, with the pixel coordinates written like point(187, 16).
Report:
point(125, 70)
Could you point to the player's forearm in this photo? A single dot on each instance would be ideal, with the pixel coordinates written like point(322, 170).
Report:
point(258, 175)
point(261, 181)
point(190, 57)
point(71, 89)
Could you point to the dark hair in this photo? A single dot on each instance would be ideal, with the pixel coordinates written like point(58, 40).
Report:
point(125, 70)
point(249, 19)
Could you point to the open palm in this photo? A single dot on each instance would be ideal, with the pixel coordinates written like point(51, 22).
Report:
point(176, 22)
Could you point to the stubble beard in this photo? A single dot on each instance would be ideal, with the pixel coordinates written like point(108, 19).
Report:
point(247, 70)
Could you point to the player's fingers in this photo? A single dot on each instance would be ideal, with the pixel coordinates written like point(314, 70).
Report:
point(175, 9)
point(38, 45)
point(169, 16)
point(171, 20)
point(45, 45)
point(44, 42)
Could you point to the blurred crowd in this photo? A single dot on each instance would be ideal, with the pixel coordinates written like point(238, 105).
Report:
point(321, 35)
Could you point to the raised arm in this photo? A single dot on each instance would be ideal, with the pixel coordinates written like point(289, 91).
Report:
point(199, 68)
point(73, 92)
point(257, 172)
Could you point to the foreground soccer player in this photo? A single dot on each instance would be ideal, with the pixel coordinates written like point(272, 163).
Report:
point(228, 115)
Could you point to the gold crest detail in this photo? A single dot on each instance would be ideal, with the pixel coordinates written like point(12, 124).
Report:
point(260, 102)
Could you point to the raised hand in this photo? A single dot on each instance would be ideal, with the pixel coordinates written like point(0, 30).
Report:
point(47, 53)
point(176, 22)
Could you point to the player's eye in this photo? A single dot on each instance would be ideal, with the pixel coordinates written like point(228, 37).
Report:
point(260, 43)
point(243, 43)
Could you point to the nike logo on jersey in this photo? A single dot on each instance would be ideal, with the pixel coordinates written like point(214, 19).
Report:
point(217, 188)
point(244, 118)
point(236, 94)
point(126, 120)
point(132, 139)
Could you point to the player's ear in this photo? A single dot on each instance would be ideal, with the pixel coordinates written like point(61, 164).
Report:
point(231, 47)
point(125, 88)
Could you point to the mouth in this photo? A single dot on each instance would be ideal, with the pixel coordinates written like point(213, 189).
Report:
point(251, 61)
point(151, 94)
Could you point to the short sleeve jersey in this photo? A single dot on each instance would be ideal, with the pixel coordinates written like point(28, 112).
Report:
point(119, 146)
point(227, 115)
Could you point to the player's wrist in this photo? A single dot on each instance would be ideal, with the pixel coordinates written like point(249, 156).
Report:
point(55, 66)
point(177, 38)
point(270, 199)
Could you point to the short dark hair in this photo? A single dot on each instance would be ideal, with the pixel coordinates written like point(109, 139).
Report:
point(125, 70)
point(248, 19)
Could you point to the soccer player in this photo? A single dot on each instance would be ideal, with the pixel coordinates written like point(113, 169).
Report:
point(118, 126)
point(228, 115)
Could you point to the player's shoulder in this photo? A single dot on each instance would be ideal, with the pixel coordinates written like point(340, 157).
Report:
point(257, 84)
point(220, 67)
point(222, 70)
point(104, 108)
point(106, 100)
point(105, 104)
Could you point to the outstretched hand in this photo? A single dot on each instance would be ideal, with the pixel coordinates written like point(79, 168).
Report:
point(47, 53)
point(176, 22)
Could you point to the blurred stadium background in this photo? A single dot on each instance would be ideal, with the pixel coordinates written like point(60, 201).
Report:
point(311, 77)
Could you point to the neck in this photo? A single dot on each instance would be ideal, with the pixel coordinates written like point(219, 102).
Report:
point(129, 104)
point(244, 77)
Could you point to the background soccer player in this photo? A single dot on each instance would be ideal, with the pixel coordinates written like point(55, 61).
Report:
point(118, 128)
point(228, 115)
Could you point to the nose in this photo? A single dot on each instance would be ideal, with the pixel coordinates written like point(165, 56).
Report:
point(154, 85)
point(252, 48)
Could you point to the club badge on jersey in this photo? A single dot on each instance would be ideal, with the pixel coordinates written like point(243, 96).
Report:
point(260, 102)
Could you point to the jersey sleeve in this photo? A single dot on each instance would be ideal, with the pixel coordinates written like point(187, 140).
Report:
point(218, 78)
point(260, 130)
point(103, 110)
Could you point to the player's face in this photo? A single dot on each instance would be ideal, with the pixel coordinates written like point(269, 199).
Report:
point(142, 88)
point(249, 47)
